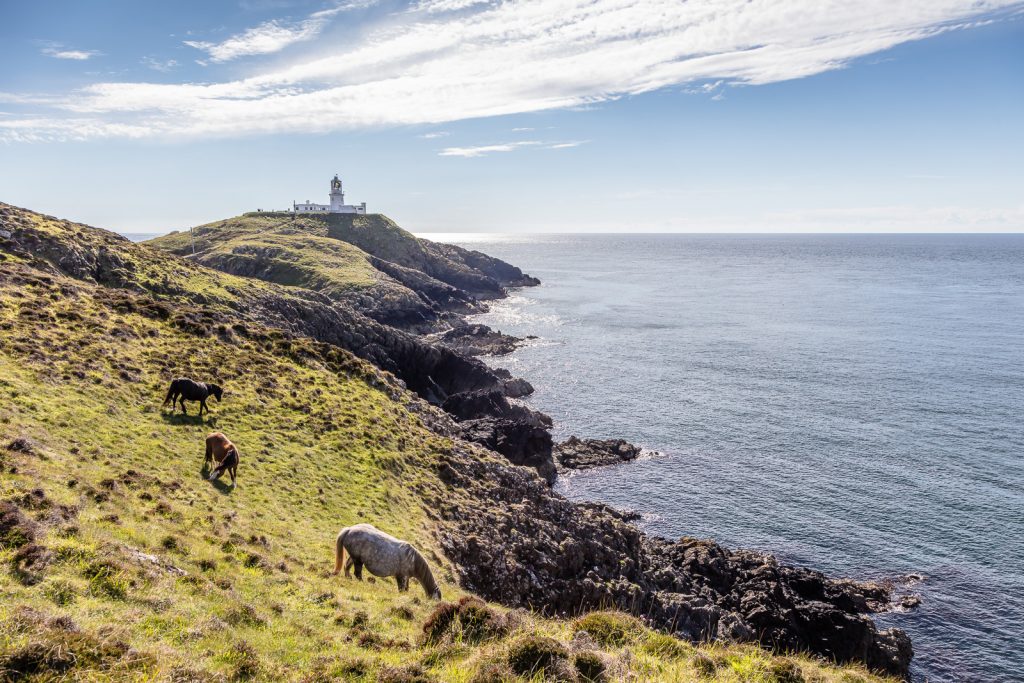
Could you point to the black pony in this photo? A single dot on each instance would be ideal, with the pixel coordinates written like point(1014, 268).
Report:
point(184, 389)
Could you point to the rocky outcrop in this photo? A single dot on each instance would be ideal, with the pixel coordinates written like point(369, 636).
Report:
point(583, 454)
point(522, 443)
point(521, 435)
point(377, 235)
point(479, 340)
point(517, 542)
point(505, 273)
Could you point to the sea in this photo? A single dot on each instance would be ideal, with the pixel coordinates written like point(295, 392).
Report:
point(850, 403)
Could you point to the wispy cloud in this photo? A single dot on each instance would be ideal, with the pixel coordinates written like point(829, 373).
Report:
point(434, 6)
point(269, 37)
point(435, 134)
point(567, 145)
point(161, 65)
point(491, 59)
point(59, 52)
point(484, 150)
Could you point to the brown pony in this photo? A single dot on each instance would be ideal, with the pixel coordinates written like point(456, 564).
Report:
point(223, 454)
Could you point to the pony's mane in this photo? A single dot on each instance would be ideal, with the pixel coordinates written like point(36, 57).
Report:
point(423, 573)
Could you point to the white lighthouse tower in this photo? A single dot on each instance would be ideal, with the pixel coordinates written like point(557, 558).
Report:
point(337, 204)
point(337, 195)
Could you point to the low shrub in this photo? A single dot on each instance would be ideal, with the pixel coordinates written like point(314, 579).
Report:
point(530, 655)
point(326, 669)
point(470, 618)
point(60, 591)
point(591, 666)
point(245, 661)
point(704, 665)
point(610, 629)
point(107, 579)
point(493, 672)
point(412, 673)
point(52, 654)
point(245, 615)
point(16, 529)
point(439, 621)
point(29, 562)
point(785, 671)
point(665, 646)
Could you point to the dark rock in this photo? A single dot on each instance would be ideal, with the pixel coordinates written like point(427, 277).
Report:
point(910, 601)
point(472, 405)
point(479, 340)
point(582, 454)
point(517, 542)
point(21, 445)
point(516, 387)
point(515, 431)
point(523, 443)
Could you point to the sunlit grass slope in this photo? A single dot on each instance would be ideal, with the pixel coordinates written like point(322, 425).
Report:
point(289, 251)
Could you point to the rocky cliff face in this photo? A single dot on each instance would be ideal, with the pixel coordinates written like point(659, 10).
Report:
point(517, 542)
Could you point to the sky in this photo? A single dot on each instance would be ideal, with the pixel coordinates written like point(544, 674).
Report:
point(520, 116)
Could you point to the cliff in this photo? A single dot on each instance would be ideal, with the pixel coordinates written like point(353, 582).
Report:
point(120, 562)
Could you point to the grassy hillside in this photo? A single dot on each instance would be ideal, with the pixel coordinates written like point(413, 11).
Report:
point(300, 251)
point(119, 561)
point(294, 252)
point(366, 260)
point(95, 255)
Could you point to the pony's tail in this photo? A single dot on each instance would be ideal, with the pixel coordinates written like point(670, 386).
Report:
point(339, 552)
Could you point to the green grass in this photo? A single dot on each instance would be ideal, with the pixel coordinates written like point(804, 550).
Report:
point(144, 268)
point(298, 251)
point(133, 567)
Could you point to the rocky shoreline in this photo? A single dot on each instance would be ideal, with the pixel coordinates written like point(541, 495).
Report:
point(518, 542)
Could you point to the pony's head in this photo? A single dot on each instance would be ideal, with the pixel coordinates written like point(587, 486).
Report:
point(215, 391)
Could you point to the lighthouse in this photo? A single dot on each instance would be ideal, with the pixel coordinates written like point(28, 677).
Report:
point(337, 195)
point(337, 204)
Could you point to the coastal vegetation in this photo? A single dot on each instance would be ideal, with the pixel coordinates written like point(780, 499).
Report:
point(119, 561)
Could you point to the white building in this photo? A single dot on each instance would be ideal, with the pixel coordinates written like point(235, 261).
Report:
point(337, 204)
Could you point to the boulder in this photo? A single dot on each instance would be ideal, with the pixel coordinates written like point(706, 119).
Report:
point(582, 454)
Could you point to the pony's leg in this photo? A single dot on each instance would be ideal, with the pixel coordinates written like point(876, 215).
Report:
point(348, 565)
point(182, 401)
point(359, 569)
point(403, 582)
point(202, 407)
point(232, 470)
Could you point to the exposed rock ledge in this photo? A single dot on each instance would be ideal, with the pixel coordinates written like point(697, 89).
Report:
point(516, 541)
point(480, 340)
point(584, 454)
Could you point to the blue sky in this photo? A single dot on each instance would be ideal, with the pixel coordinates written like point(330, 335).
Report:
point(560, 115)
